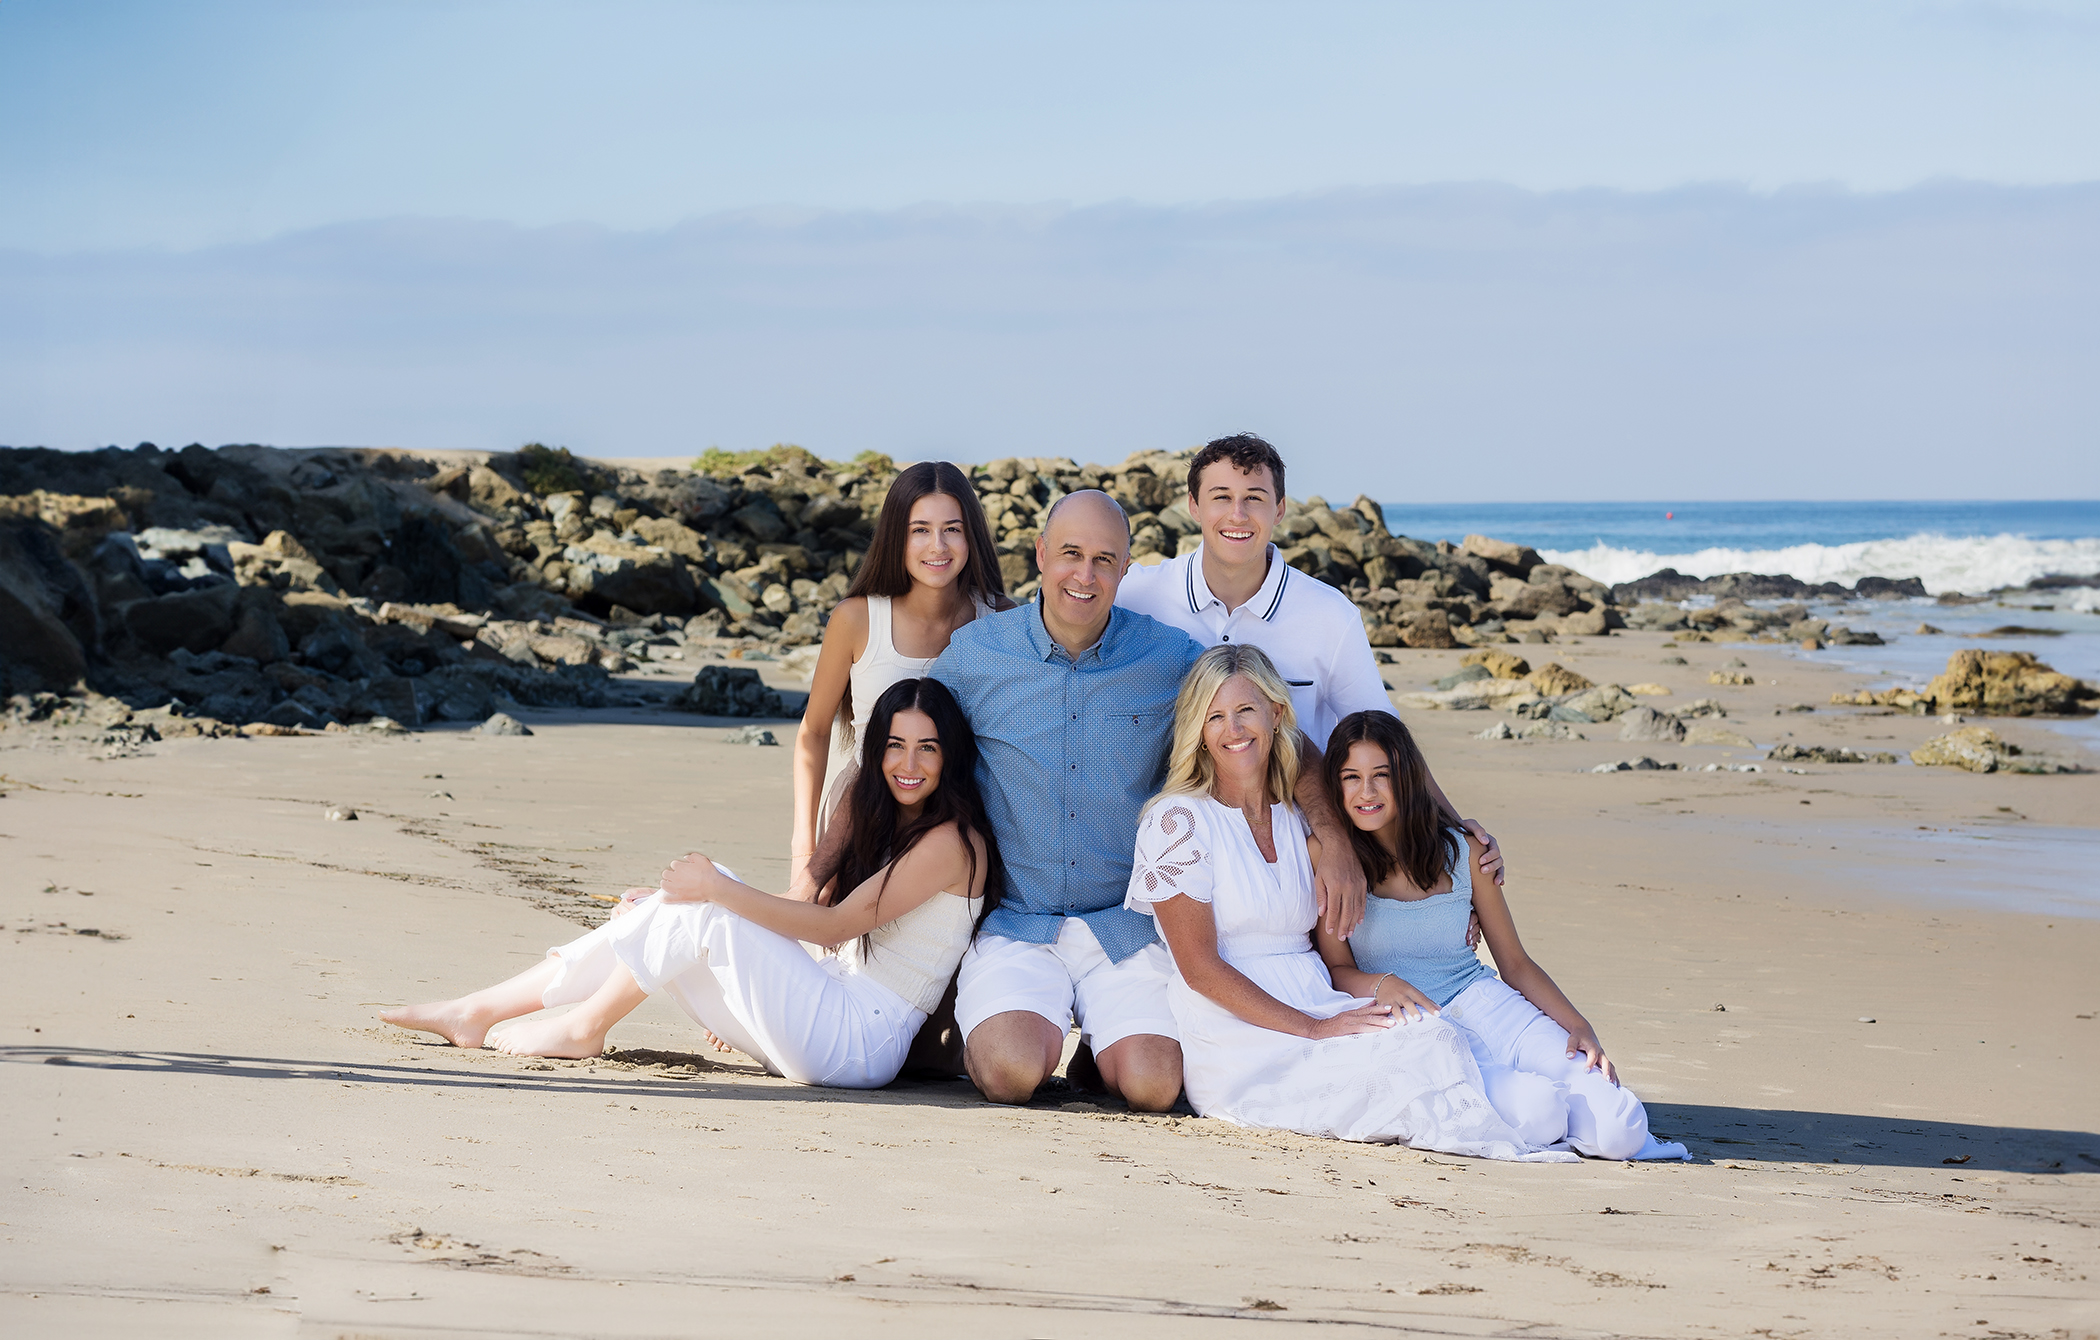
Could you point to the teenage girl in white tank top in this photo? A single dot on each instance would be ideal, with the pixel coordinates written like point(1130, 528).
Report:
point(929, 570)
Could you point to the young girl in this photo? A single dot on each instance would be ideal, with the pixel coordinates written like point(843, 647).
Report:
point(1544, 1068)
point(913, 885)
point(930, 569)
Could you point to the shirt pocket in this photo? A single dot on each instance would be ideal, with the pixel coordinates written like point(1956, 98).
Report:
point(1305, 702)
point(1126, 758)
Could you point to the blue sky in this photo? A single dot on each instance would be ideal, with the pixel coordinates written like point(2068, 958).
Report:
point(1439, 248)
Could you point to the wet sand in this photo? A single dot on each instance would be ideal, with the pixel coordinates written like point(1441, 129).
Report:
point(206, 1131)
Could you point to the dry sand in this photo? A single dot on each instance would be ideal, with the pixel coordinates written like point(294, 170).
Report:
point(206, 1132)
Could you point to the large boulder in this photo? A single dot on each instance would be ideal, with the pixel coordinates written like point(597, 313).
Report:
point(1426, 629)
point(81, 522)
point(642, 578)
point(196, 620)
point(730, 691)
point(1647, 725)
point(43, 606)
point(1515, 559)
point(1540, 598)
point(1601, 703)
point(1501, 664)
point(1552, 679)
point(1975, 748)
point(2009, 684)
point(429, 560)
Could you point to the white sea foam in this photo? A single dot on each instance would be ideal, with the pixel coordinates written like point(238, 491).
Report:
point(1945, 562)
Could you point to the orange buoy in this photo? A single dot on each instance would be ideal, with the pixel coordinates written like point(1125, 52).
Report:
point(1669, 516)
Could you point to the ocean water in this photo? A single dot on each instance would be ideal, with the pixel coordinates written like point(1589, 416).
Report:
point(1952, 547)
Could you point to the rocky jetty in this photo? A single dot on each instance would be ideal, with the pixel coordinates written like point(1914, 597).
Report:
point(298, 589)
point(1732, 619)
point(1672, 585)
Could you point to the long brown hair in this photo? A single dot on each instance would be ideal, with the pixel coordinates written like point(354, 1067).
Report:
point(878, 843)
point(881, 571)
point(1428, 847)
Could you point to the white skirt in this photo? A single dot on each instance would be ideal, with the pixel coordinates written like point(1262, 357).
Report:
point(1415, 1083)
point(814, 1021)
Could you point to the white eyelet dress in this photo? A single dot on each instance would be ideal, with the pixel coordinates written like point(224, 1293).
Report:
point(1414, 1083)
point(844, 1021)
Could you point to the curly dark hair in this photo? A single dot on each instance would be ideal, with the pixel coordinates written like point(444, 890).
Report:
point(1245, 451)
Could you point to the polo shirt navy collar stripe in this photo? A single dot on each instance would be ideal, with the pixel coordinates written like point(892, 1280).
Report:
point(1189, 573)
point(1276, 602)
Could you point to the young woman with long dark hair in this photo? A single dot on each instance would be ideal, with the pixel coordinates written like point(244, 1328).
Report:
point(916, 881)
point(1543, 1067)
point(930, 568)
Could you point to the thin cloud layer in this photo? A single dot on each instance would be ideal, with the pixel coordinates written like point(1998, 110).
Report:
point(1452, 342)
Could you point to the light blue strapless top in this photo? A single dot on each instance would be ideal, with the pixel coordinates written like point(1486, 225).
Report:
point(1423, 942)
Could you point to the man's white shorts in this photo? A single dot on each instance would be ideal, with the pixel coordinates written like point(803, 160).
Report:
point(1068, 979)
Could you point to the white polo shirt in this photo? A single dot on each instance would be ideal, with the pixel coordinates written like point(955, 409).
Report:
point(1310, 630)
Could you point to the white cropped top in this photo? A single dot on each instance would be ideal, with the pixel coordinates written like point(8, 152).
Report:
point(916, 955)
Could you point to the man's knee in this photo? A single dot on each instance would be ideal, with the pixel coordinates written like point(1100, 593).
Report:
point(1144, 1071)
point(1009, 1055)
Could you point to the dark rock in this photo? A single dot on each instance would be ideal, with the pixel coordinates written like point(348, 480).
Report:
point(196, 620)
point(1890, 588)
point(761, 519)
point(1516, 560)
point(1823, 753)
point(48, 620)
point(257, 635)
point(1465, 675)
point(391, 697)
point(730, 691)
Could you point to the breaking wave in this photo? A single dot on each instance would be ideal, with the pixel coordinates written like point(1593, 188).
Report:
point(1971, 563)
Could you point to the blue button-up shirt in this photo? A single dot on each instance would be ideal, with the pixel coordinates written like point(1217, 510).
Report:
point(1069, 750)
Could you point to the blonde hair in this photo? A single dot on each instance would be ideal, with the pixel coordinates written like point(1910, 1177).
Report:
point(1190, 771)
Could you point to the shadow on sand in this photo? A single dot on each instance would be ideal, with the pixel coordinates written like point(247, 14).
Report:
point(714, 1079)
point(1721, 1134)
point(1759, 1135)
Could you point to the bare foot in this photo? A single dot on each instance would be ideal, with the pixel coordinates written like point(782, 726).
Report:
point(568, 1036)
point(449, 1019)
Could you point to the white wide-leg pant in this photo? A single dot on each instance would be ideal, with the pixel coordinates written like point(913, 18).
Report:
point(1532, 1082)
point(809, 1020)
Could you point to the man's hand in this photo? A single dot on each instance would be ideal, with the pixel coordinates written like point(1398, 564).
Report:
point(1338, 883)
point(1491, 859)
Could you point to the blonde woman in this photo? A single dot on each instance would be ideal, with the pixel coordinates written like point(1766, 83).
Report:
point(1224, 864)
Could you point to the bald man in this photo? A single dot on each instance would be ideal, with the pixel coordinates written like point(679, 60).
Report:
point(1072, 700)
